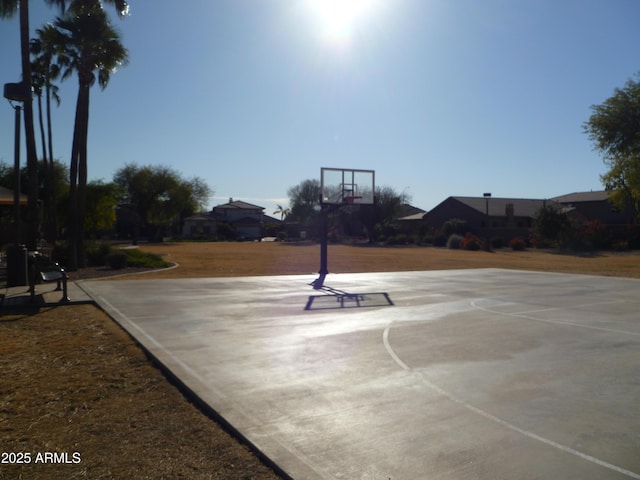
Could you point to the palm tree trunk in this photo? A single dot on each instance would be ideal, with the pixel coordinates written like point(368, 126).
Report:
point(52, 227)
point(73, 189)
point(82, 173)
point(45, 163)
point(32, 160)
point(42, 134)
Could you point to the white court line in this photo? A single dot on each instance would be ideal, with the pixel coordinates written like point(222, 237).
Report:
point(548, 309)
point(493, 418)
point(556, 322)
point(160, 347)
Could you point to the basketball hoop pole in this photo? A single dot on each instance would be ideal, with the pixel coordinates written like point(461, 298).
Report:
point(324, 241)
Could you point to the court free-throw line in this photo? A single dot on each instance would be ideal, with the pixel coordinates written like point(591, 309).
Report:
point(493, 418)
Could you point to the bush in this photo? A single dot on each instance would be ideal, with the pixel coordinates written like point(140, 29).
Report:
point(622, 246)
point(137, 258)
point(454, 226)
point(517, 244)
point(97, 254)
point(117, 260)
point(597, 235)
point(455, 241)
point(471, 242)
point(399, 239)
point(439, 240)
point(497, 242)
point(282, 236)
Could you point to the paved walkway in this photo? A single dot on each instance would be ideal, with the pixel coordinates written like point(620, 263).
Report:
point(45, 294)
point(467, 374)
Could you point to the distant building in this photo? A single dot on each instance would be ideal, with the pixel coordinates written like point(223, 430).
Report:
point(583, 207)
point(245, 220)
point(488, 216)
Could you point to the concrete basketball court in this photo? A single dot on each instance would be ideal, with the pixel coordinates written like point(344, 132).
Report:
point(461, 374)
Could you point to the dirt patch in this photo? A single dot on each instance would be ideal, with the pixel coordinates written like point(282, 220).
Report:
point(75, 384)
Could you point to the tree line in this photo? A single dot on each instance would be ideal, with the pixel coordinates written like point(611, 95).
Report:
point(368, 221)
point(150, 200)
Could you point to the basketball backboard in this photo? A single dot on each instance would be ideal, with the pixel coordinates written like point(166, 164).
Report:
point(344, 186)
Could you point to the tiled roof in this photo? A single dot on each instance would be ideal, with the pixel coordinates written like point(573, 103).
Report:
point(577, 197)
point(238, 204)
point(522, 207)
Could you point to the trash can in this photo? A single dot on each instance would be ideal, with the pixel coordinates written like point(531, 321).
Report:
point(17, 270)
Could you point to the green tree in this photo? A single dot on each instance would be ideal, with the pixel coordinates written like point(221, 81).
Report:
point(614, 129)
point(90, 47)
point(159, 196)
point(551, 224)
point(102, 200)
point(380, 218)
point(304, 199)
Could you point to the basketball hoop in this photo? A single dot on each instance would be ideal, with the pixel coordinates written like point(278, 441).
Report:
point(340, 187)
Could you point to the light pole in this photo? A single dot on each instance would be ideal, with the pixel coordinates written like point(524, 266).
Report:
point(487, 196)
point(17, 270)
point(16, 92)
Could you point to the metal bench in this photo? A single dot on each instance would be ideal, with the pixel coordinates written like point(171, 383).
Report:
point(47, 271)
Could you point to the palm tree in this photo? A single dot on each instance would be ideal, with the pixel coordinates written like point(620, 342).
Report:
point(8, 8)
point(283, 212)
point(91, 48)
point(44, 70)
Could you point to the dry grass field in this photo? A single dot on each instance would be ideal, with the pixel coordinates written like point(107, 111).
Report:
point(74, 383)
point(270, 258)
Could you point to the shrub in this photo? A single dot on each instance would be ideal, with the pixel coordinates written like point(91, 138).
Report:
point(439, 240)
point(596, 235)
point(399, 239)
point(621, 246)
point(454, 226)
point(471, 242)
point(138, 258)
point(454, 242)
point(517, 244)
point(117, 260)
point(497, 242)
point(97, 254)
point(282, 236)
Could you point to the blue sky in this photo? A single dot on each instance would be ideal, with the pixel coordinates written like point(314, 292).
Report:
point(439, 97)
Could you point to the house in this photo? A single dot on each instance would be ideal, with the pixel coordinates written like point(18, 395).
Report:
point(410, 218)
point(244, 220)
point(583, 207)
point(6, 197)
point(201, 225)
point(488, 217)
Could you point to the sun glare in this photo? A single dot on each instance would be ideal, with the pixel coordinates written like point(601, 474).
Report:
point(338, 19)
